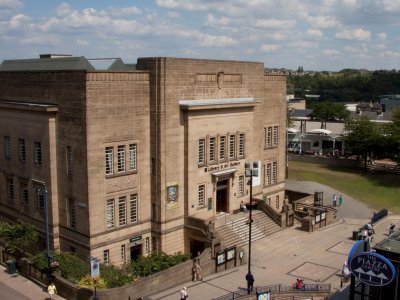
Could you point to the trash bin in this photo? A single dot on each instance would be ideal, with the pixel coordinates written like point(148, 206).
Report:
point(11, 266)
point(356, 234)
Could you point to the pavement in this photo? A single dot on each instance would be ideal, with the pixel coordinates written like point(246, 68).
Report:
point(276, 259)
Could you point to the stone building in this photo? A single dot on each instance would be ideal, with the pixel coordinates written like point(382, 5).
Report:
point(136, 159)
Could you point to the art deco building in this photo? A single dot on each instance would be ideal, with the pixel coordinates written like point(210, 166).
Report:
point(133, 156)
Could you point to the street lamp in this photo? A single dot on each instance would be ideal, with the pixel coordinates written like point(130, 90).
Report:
point(42, 189)
point(251, 169)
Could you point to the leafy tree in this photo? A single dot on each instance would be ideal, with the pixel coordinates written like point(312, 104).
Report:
point(18, 238)
point(364, 137)
point(393, 135)
point(329, 111)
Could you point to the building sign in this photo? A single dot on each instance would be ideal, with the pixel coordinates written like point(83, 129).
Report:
point(223, 166)
point(220, 257)
point(372, 269)
point(94, 267)
point(257, 179)
point(135, 238)
point(172, 195)
point(230, 253)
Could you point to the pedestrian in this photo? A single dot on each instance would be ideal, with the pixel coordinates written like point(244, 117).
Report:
point(184, 293)
point(345, 272)
point(197, 272)
point(391, 228)
point(243, 207)
point(299, 284)
point(340, 200)
point(51, 289)
point(250, 282)
point(334, 200)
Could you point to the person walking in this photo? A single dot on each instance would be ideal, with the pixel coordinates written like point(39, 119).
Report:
point(250, 282)
point(51, 289)
point(197, 272)
point(340, 200)
point(334, 200)
point(184, 293)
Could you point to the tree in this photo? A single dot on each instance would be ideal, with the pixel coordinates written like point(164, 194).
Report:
point(393, 135)
point(329, 111)
point(18, 238)
point(363, 137)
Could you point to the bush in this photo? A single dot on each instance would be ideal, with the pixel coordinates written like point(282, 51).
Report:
point(87, 282)
point(115, 277)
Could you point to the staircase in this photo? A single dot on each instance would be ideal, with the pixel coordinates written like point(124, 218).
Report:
point(236, 230)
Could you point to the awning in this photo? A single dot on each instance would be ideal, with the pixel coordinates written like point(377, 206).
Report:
point(224, 173)
point(324, 131)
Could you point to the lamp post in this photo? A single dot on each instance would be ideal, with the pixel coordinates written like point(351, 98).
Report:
point(42, 189)
point(250, 171)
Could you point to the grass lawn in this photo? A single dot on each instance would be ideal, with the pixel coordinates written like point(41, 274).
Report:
point(377, 190)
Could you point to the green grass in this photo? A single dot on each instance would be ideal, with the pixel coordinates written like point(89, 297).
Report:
point(376, 190)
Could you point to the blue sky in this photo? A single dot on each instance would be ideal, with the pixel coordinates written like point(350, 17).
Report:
point(315, 34)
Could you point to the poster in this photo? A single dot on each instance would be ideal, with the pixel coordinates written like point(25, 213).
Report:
point(172, 195)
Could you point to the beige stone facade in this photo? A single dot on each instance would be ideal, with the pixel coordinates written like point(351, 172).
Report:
point(132, 159)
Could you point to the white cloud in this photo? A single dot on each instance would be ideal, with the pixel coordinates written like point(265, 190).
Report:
point(314, 33)
point(359, 34)
point(216, 41)
point(323, 22)
point(304, 44)
point(124, 11)
point(19, 21)
point(382, 36)
point(192, 5)
point(354, 50)
point(173, 14)
point(212, 21)
point(391, 5)
point(391, 54)
point(10, 4)
point(379, 46)
point(269, 48)
point(275, 23)
point(330, 52)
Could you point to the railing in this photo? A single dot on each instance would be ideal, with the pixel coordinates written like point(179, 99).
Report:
point(279, 288)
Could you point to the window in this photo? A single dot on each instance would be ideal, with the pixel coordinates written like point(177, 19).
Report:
point(38, 154)
point(222, 142)
point(147, 246)
point(109, 161)
point(134, 208)
point(122, 211)
point(241, 145)
point(274, 173)
point(10, 191)
point(121, 158)
point(71, 214)
point(40, 198)
point(110, 213)
point(22, 150)
point(202, 196)
point(275, 137)
point(123, 254)
point(232, 146)
point(267, 177)
point(69, 160)
point(133, 157)
point(7, 147)
point(202, 143)
point(277, 202)
point(106, 256)
point(268, 138)
point(212, 149)
point(241, 186)
point(24, 199)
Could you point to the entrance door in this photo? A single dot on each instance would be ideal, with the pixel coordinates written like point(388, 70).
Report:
point(136, 252)
point(222, 196)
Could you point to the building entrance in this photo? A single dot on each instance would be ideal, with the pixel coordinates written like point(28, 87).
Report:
point(136, 252)
point(222, 196)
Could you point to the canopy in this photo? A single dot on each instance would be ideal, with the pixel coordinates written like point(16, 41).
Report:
point(325, 131)
point(292, 130)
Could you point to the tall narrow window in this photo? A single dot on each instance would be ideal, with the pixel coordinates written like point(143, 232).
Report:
point(122, 211)
point(222, 145)
point(132, 157)
point(275, 136)
point(241, 186)
point(110, 213)
point(71, 217)
point(277, 202)
point(202, 196)
point(232, 145)
point(121, 158)
point(69, 160)
point(123, 254)
point(10, 191)
point(274, 172)
point(269, 137)
point(109, 161)
point(24, 199)
point(22, 150)
point(106, 256)
point(241, 145)
point(267, 178)
point(202, 144)
point(134, 208)
point(147, 248)
point(38, 154)
point(7, 147)
point(212, 149)
point(40, 199)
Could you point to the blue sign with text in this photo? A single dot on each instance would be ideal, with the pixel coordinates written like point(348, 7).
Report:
point(372, 269)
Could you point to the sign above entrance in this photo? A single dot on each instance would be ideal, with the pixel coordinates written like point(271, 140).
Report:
point(372, 269)
point(135, 238)
point(221, 168)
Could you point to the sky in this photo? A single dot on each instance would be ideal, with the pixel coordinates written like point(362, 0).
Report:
point(320, 35)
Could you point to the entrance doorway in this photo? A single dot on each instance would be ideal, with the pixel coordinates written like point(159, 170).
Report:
point(136, 252)
point(222, 196)
point(196, 247)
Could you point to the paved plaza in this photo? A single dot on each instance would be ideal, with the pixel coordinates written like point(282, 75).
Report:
point(276, 259)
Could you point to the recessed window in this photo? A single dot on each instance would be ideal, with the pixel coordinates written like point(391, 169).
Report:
point(269, 137)
point(10, 191)
point(222, 146)
point(274, 172)
point(241, 145)
point(212, 149)
point(25, 199)
point(38, 153)
point(69, 160)
point(121, 158)
point(267, 177)
point(7, 147)
point(202, 144)
point(106, 256)
point(132, 157)
point(71, 217)
point(123, 254)
point(122, 211)
point(110, 213)
point(275, 137)
point(202, 196)
point(22, 150)
point(241, 186)
point(232, 145)
point(109, 161)
point(134, 208)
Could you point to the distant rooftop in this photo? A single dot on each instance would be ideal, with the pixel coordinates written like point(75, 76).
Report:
point(63, 62)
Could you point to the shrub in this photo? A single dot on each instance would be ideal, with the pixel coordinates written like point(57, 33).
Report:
point(115, 277)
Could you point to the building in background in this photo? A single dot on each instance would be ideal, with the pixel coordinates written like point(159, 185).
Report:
point(137, 158)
